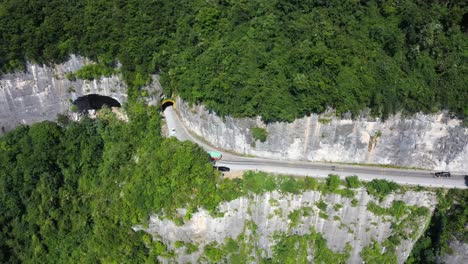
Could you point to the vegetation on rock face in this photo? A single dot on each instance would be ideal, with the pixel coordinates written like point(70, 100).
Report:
point(373, 254)
point(353, 182)
point(381, 188)
point(280, 59)
point(93, 71)
point(295, 249)
point(259, 134)
point(448, 223)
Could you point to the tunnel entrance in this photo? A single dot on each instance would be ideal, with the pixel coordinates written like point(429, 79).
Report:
point(167, 102)
point(94, 101)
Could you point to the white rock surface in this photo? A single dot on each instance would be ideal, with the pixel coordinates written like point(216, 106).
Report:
point(424, 141)
point(356, 225)
point(43, 91)
point(459, 253)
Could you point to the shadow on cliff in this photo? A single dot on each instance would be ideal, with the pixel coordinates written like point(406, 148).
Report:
point(94, 101)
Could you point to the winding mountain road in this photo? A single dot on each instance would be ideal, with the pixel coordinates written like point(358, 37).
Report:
point(316, 169)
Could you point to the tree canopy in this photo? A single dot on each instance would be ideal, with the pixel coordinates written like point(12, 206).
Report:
point(280, 59)
point(70, 194)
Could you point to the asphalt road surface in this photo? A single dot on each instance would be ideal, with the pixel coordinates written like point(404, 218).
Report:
point(316, 169)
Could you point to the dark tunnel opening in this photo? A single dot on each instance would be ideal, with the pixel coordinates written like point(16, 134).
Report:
point(94, 101)
point(166, 104)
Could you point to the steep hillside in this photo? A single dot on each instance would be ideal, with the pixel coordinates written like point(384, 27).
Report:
point(279, 59)
point(296, 224)
point(42, 92)
point(435, 142)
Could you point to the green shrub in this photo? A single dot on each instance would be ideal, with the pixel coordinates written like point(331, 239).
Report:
point(295, 216)
point(337, 206)
point(213, 253)
point(310, 183)
point(324, 121)
point(323, 215)
point(190, 248)
point(345, 193)
point(232, 246)
point(353, 182)
point(381, 188)
point(258, 182)
point(374, 254)
point(93, 71)
point(321, 205)
point(398, 209)
point(377, 210)
point(70, 76)
point(259, 133)
point(179, 244)
point(289, 185)
point(333, 182)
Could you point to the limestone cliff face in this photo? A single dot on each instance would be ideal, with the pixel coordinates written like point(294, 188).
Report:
point(424, 141)
point(42, 92)
point(345, 222)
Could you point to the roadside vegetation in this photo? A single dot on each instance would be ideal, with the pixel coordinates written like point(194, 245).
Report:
point(279, 59)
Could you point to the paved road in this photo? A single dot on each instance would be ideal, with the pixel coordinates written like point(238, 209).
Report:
point(317, 169)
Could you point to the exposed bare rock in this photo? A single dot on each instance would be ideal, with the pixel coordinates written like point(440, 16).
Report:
point(424, 141)
point(348, 223)
point(42, 92)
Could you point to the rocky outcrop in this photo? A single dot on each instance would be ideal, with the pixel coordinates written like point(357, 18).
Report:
point(424, 141)
point(345, 221)
point(458, 254)
point(42, 92)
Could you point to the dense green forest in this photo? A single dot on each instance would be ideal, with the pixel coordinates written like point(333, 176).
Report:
point(70, 193)
point(281, 59)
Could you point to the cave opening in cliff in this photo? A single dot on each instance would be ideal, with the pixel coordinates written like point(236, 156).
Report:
point(167, 102)
point(94, 102)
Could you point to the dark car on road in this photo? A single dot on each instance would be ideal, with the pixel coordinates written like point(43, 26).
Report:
point(444, 174)
point(222, 168)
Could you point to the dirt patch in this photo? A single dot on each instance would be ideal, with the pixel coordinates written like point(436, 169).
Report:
point(234, 174)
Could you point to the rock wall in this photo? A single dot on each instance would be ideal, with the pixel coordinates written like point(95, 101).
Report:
point(348, 223)
point(42, 92)
point(424, 141)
